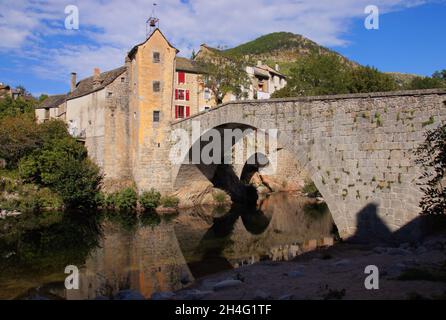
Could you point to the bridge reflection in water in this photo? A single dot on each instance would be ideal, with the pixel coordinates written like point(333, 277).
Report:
point(152, 254)
point(170, 255)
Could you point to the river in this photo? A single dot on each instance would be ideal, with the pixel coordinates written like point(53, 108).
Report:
point(148, 254)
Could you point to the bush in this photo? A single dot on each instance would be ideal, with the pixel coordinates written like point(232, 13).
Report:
point(220, 197)
point(311, 190)
point(124, 200)
point(170, 202)
point(149, 200)
point(432, 159)
point(63, 166)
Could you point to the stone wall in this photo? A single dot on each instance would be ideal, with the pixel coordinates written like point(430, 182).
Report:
point(358, 149)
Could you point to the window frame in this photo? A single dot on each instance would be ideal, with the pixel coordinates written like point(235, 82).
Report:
point(158, 84)
point(156, 116)
point(158, 59)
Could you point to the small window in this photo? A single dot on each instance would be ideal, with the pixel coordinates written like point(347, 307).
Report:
point(122, 80)
point(156, 116)
point(156, 86)
point(156, 57)
point(207, 94)
point(110, 94)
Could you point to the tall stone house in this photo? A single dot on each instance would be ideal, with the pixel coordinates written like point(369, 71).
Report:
point(123, 116)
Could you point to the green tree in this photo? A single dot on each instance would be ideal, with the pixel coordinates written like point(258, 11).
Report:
point(10, 107)
point(19, 136)
point(420, 83)
point(223, 75)
point(369, 79)
point(328, 73)
point(432, 158)
point(62, 165)
point(440, 74)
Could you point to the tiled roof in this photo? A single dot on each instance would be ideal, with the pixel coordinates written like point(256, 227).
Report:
point(52, 101)
point(183, 64)
point(86, 86)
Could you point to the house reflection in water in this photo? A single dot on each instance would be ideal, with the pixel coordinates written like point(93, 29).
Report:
point(147, 260)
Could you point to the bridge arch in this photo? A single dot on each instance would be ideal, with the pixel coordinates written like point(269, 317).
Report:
point(357, 149)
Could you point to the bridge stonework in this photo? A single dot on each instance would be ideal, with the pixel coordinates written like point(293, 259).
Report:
point(358, 149)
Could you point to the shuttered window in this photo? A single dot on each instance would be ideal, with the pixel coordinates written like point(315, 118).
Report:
point(181, 77)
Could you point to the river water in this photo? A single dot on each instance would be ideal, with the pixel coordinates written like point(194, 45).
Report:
point(115, 252)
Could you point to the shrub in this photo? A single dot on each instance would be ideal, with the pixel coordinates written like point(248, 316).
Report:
point(149, 200)
point(63, 166)
point(124, 200)
point(170, 202)
point(432, 158)
point(311, 190)
point(220, 197)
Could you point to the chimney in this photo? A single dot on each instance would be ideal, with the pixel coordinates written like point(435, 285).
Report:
point(259, 63)
point(277, 67)
point(73, 81)
point(96, 77)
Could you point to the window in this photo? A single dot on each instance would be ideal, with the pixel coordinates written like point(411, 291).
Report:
point(207, 94)
point(156, 116)
point(156, 57)
point(122, 80)
point(156, 86)
point(181, 94)
point(182, 112)
point(181, 77)
point(109, 94)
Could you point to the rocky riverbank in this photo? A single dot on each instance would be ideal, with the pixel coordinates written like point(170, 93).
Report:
point(410, 271)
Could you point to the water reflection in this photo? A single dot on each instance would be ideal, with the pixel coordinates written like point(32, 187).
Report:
point(153, 254)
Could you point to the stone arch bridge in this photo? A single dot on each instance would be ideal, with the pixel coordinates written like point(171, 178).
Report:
point(358, 149)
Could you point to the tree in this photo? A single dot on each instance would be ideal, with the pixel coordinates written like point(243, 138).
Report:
point(420, 83)
point(19, 136)
point(440, 74)
point(62, 165)
point(369, 79)
point(322, 74)
point(432, 158)
point(11, 107)
point(223, 75)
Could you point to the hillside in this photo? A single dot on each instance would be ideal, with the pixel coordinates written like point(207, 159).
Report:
point(282, 48)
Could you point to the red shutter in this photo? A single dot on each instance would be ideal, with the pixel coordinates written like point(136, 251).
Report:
point(181, 77)
point(187, 95)
point(176, 94)
point(187, 112)
point(176, 112)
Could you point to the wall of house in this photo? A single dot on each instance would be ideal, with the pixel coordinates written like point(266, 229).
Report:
point(85, 118)
point(149, 153)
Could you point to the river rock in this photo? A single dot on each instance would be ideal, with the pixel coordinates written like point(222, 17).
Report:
point(194, 294)
point(162, 296)
point(342, 263)
point(225, 284)
point(129, 295)
point(262, 295)
point(398, 252)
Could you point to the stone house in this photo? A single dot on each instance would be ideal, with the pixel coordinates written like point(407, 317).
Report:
point(123, 116)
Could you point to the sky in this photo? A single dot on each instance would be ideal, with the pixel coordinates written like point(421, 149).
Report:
point(39, 52)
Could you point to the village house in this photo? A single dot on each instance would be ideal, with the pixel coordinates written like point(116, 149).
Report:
point(7, 91)
point(123, 116)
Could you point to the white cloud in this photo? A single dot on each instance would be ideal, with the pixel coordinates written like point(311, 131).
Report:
point(113, 27)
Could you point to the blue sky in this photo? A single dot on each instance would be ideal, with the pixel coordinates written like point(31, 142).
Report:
point(38, 52)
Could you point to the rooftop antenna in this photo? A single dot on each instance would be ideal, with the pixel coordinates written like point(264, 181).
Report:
point(152, 23)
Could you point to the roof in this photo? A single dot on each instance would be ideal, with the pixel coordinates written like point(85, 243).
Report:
point(271, 70)
point(135, 48)
point(183, 64)
point(86, 86)
point(52, 102)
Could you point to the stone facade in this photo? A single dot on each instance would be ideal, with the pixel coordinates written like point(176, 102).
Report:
point(358, 149)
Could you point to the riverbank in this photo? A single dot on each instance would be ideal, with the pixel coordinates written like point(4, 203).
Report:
point(410, 271)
